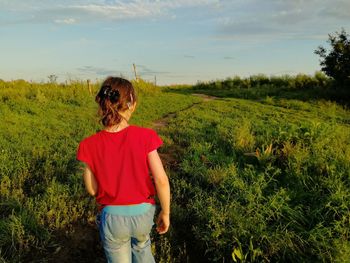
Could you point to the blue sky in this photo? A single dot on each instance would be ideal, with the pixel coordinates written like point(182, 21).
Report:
point(178, 41)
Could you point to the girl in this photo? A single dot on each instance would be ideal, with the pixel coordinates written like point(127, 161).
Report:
point(117, 163)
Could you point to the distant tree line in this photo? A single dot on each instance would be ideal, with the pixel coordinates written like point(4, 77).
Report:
point(300, 81)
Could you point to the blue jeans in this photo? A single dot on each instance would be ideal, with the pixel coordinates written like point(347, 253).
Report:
point(126, 238)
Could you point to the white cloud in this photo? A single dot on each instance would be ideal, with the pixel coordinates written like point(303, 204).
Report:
point(338, 10)
point(136, 8)
point(279, 19)
point(240, 19)
point(86, 11)
point(67, 21)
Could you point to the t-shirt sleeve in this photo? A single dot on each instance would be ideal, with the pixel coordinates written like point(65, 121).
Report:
point(83, 154)
point(154, 141)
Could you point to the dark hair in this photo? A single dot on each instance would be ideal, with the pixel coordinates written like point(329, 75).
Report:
point(114, 96)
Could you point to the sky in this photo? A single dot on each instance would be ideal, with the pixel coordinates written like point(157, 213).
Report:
point(169, 41)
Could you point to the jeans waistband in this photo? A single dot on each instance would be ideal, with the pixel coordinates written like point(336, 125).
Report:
point(129, 210)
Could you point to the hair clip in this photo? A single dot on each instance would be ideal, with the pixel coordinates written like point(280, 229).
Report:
point(114, 95)
point(106, 89)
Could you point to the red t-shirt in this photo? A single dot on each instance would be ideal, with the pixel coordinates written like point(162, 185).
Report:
point(120, 165)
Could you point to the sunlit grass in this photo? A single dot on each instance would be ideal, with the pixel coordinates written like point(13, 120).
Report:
point(271, 181)
point(260, 174)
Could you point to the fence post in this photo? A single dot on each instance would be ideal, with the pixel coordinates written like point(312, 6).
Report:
point(89, 86)
point(134, 66)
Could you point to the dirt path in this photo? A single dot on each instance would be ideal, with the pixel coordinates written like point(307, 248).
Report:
point(164, 120)
point(204, 96)
point(168, 158)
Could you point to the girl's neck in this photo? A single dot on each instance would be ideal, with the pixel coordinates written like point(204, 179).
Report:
point(118, 127)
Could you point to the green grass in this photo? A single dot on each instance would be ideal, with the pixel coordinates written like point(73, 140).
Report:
point(263, 171)
point(41, 188)
point(288, 204)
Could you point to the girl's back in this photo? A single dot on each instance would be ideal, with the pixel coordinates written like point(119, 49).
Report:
point(120, 164)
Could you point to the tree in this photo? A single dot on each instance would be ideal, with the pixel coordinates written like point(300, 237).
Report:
point(336, 63)
point(52, 78)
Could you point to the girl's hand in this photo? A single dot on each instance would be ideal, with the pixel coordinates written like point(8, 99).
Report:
point(163, 222)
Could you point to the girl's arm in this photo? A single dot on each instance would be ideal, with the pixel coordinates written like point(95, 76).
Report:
point(90, 180)
point(161, 182)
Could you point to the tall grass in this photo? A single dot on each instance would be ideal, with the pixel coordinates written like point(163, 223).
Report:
point(41, 189)
point(266, 183)
point(259, 178)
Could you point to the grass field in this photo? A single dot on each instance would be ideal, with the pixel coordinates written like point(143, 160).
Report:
point(259, 174)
